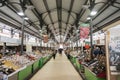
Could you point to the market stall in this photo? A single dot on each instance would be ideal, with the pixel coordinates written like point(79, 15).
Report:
point(20, 67)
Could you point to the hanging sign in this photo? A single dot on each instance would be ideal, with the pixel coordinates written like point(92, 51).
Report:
point(84, 31)
point(45, 38)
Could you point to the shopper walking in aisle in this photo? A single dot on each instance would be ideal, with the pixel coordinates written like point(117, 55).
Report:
point(60, 50)
point(54, 54)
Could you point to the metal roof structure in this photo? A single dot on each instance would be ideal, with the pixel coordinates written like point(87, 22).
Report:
point(58, 18)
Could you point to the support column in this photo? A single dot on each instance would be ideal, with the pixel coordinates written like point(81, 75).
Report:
point(91, 37)
point(4, 48)
point(77, 45)
point(22, 38)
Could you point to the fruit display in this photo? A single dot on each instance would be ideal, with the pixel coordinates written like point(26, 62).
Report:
point(11, 63)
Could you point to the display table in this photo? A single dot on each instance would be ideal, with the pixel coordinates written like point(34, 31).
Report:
point(28, 70)
point(84, 71)
point(90, 75)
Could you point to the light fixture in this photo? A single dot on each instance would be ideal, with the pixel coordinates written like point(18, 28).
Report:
point(20, 13)
point(26, 18)
point(88, 18)
point(40, 30)
point(93, 13)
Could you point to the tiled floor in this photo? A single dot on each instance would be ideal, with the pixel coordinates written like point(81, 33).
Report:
point(58, 69)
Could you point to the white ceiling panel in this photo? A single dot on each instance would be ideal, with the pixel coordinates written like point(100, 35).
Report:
point(66, 4)
point(39, 5)
point(33, 28)
point(77, 5)
point(11, 13)
point(64, 16)
point(51, 4)
point(14, 1)
point(56, 25)
point(44, 15)
point(118, 0)
point(104, 14)
point(63, 30)
point(57, 29)
point(47, 19)
point(50, 26)
point(67, 27)
point(31, 15)
point(73, 15)
point(54, 16)
point(71, 20)
point(9, 19)
point(85, 15)
point(36, 22)
point(63, 25)
point(109, 19)
point(96, 1)
point(26, 29)
point(16, 5)
point(98, 6)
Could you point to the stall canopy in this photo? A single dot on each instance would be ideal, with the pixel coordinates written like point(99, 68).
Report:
point(59, 19)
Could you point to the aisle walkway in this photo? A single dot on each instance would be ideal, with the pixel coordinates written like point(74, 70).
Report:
point(58, 69)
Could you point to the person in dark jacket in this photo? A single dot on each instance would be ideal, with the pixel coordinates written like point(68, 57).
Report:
point(96, 51)
point(54, 54)
point(60, 51)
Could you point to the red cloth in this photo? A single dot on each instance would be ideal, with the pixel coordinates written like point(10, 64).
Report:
point(102, 75)
point(87, 46)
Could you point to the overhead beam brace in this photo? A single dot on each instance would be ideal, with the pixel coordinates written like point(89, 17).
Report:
point(60, 19)
point(69, 12)
point(70, 9)
point(58, 4)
